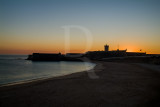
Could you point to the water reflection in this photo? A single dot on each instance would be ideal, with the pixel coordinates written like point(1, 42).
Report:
point(12, 70)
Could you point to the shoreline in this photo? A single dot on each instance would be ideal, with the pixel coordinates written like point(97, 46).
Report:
point(118, 85)
point(37, 80)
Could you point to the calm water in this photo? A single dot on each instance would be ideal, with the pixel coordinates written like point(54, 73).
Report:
point(14, 68)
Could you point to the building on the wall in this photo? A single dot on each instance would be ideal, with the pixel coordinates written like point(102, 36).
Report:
point(114, 53)
point(106, 48)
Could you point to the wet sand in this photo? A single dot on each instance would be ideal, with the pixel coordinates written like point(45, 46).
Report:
point(113, 85)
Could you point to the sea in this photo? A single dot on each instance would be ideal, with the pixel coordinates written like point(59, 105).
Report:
point(16, 69)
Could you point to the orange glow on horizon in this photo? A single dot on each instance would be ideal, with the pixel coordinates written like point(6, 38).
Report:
point(78, 49)
point(25, 47)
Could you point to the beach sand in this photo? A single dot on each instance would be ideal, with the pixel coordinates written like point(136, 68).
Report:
point(113, 85)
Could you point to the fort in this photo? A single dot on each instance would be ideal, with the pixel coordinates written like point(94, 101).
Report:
point(113, 53)
point(54, 57)
point(106, 55)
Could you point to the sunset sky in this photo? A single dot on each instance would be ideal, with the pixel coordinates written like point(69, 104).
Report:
point(28, 26)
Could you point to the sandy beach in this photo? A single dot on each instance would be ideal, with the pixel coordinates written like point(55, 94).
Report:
point(113, 85)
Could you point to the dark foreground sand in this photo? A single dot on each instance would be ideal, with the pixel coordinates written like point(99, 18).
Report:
point(118, 85)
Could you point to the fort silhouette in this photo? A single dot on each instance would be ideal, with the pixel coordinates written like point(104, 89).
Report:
point(90, 54)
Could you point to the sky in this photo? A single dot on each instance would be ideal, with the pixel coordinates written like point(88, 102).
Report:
point(28, 26)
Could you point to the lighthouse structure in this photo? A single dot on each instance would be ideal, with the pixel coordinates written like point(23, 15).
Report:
point(106, 48)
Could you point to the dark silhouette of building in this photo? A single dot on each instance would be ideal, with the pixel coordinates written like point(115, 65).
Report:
point(114, 53)
point(106, 48)
point(90, 54)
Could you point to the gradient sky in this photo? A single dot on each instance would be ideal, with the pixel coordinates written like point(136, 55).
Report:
point(28, 26)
